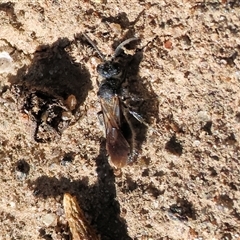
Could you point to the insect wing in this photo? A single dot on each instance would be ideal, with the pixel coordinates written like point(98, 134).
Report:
point(117, 146)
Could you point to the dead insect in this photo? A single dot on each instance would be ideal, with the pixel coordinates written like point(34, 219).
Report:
point(47, 114)
point(118, 131)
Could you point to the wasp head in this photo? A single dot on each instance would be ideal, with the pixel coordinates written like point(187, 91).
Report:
point(110, 69)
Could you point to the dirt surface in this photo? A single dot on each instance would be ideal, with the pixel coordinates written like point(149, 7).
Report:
point(186, 83)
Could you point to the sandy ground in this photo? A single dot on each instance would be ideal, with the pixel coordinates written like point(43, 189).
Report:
point(186, 82)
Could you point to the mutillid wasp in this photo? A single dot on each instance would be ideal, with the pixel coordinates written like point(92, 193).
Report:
point(118, 130)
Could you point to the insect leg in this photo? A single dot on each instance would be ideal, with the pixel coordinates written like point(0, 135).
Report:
point(141, 120)
point(101, 122)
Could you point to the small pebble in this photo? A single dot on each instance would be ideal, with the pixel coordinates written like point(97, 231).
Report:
point(204, 116)
point(6, 62)
point(49, 219)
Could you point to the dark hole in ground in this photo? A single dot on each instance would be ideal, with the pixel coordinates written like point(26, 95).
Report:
point(174, 146)
point(67, 158)
point(23, 166)
point(207, 127)
point(182, 210)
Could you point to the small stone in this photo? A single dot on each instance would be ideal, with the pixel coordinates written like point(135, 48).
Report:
point(49, 219)
point(66, 116)
point(196, 143)
point(71, 102)
point(168, 44)
point(204, 116)
point(12, 204)
point(99, 1)
point(6, 62)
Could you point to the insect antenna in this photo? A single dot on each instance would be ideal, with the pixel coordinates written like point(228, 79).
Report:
point(121, 45)
point(94, 46)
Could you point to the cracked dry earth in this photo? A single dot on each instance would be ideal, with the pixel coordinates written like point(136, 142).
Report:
point(186, 78)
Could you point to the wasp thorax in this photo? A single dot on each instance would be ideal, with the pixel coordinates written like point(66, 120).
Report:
point(109, 69)
point(106, 91)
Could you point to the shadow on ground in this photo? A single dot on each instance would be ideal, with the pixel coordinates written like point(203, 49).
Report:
point(54, 71)
point(51, 90)
point(97, 201)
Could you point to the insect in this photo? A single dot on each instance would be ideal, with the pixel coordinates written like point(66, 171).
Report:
point(47, 115)
point(118, 131)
